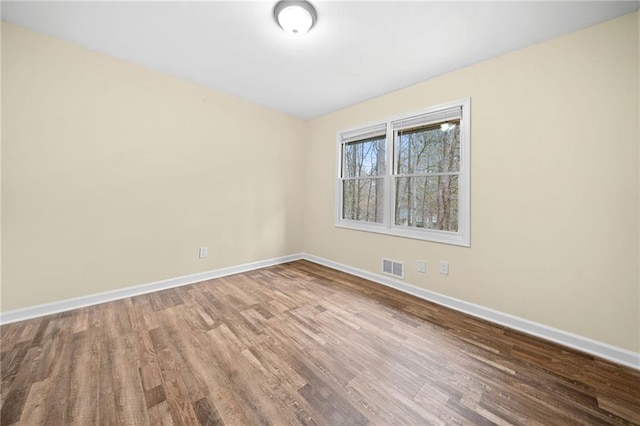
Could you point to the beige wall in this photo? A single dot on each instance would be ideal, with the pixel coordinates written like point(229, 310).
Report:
point(555, 163)
point(114, 175)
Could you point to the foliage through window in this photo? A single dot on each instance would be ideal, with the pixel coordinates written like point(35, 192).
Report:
point(363, 183)
point(408, 176)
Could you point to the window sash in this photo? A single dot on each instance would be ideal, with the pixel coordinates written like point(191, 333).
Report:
point(424, 174)
point(419, 195)
point(370, 204)
point(343, 159)
point(400, 162)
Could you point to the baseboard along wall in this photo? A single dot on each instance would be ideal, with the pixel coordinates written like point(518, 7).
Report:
point(122, 293)
point(581, 343)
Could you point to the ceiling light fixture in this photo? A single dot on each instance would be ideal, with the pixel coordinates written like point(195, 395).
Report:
point(295, 17)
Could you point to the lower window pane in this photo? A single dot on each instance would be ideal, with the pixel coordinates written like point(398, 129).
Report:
point(429, 202)
point(362, 200)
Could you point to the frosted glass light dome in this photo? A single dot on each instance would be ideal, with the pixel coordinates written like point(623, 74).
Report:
point(295, 17)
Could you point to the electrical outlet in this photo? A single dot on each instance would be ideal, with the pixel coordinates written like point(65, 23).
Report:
point(444, 267)
point(422, 266)
point(202, 253)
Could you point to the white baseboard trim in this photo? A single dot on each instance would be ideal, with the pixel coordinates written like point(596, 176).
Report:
point(584, 344)
point(16, 315)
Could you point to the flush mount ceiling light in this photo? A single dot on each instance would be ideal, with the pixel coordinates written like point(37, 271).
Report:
point(295, 17)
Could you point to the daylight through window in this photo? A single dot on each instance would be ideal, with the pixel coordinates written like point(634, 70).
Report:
point(408, 176)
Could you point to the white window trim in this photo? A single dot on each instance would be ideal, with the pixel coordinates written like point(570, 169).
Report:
point(460, 238)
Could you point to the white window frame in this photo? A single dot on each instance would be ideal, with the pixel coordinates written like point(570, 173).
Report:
point(460, 238)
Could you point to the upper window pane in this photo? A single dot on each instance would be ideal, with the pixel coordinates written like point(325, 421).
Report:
point(429, 149)
point(364, 158)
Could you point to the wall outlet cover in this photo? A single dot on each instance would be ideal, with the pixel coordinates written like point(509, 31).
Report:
point(444, 267)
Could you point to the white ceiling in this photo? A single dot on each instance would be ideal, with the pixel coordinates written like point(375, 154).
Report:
point(358, 49)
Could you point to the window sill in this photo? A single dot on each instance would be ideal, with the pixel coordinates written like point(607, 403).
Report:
point(441, 237)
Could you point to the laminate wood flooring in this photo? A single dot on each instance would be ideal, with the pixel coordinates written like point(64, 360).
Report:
point(297, 344)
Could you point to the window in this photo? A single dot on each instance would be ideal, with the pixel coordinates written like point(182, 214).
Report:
point(408, 176)
point(363, 175)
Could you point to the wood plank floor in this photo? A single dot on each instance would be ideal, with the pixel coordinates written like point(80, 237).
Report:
point(297, 344)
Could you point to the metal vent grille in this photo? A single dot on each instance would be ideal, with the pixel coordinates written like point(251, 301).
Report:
point(392, 267)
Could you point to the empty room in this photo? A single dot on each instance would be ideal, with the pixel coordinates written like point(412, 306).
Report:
point(320, 212)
